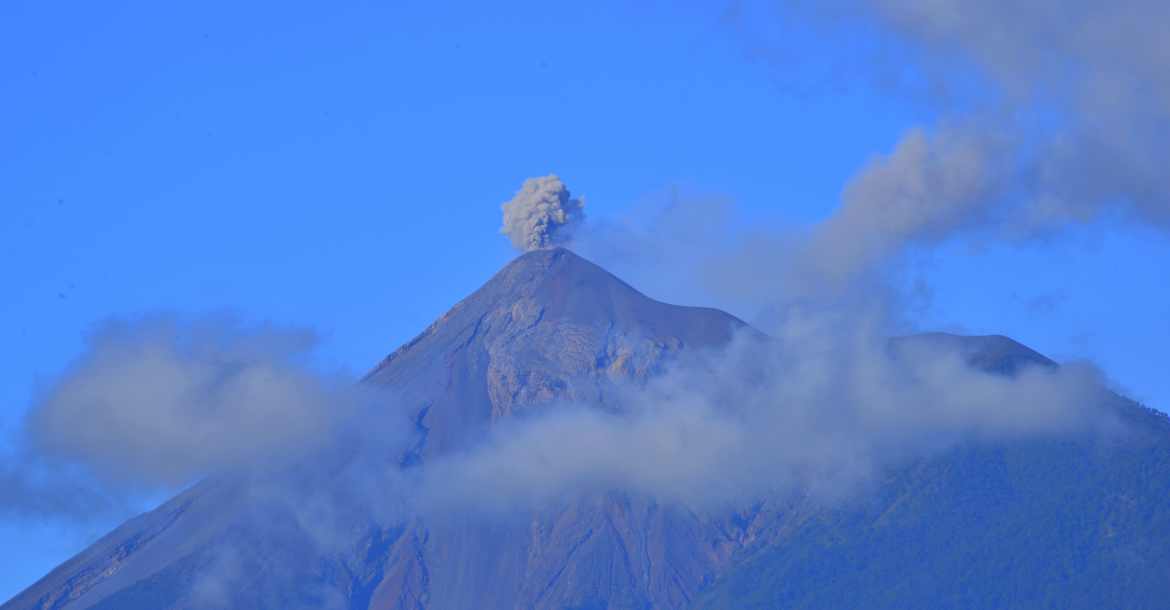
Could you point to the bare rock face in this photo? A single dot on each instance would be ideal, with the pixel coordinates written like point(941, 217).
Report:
point(550, 326)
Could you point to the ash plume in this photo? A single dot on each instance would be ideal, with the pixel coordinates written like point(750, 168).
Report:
point(541, 214)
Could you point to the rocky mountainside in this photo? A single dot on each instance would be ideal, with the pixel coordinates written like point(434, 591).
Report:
point(1055, 524)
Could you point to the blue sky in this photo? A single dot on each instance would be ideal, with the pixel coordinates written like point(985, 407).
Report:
point(342, 168)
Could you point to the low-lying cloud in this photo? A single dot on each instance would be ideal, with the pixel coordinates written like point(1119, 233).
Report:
point(820, 407)
point(157, 403)
point(161, 402)
point(818, 413)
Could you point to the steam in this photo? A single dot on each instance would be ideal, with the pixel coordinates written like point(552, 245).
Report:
point(541, 214)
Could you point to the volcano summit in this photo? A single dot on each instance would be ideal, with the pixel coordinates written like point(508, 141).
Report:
point(529, 381)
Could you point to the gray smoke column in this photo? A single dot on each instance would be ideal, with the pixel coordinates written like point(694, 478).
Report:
point(542, 214)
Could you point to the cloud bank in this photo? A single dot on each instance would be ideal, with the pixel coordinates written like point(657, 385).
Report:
point(161, 402)
point(819, 412)
point(157, 403)
point(541, 214)
point(822, 408)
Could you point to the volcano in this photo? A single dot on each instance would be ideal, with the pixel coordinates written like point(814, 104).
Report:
point(1059, 523)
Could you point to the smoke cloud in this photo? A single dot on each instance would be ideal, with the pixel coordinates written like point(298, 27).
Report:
point(1060, 132)
point(1029, 139)
point(541, 214)
point(929, 186)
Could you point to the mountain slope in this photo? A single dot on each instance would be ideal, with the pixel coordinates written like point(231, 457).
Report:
point(1076, 522)
point(549, 326)
point(1037, 524)
point(1034, 523)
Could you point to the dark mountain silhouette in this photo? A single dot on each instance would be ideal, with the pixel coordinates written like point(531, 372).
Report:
point(1053, 523)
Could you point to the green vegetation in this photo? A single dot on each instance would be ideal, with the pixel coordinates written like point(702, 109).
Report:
point(1041, 524)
